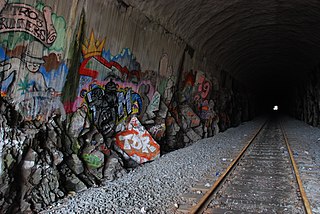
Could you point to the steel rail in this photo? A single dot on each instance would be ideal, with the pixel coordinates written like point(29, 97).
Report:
point(206, 197)
point(306, 203)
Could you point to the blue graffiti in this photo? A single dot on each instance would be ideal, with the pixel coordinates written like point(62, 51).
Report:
point(125, 59)
point(55, 78)
point(5, 84)
point(3, 55)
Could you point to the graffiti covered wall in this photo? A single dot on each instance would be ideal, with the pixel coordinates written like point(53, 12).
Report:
point(85, 96)
point(32, 71)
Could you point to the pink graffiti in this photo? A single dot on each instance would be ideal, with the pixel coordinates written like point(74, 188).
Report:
point(204, 87)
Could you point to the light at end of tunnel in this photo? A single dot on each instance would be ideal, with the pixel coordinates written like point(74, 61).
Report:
point(275, 108)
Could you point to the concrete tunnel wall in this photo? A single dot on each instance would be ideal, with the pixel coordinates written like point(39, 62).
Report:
point(89, 88)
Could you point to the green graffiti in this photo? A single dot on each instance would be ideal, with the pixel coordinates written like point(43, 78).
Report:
point(9, 160)
point(60, 26)
point(24, 84)
point(14, 1)
point(162, 86)
point(11, 40)
point(39, 5)
point(75, 147)
point(92, 160)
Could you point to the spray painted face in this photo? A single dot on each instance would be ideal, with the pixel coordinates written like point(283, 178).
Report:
point(33, 67)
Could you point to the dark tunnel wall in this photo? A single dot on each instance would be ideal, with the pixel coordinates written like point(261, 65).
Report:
point(271, 47)
point(305, 98)
point(255, 41)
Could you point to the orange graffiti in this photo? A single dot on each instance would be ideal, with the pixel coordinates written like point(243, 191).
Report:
point(138, 143)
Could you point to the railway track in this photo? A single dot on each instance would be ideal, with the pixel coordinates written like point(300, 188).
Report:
point(262, 179)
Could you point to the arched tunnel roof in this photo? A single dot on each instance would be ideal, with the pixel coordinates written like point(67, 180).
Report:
point(275, 40)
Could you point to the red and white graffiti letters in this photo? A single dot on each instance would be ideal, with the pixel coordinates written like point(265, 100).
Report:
point(137, 142)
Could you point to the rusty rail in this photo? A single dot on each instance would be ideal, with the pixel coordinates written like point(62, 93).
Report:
point(297, 175)
point(203, 202)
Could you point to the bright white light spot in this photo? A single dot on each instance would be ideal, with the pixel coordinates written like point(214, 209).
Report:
point(275, 108)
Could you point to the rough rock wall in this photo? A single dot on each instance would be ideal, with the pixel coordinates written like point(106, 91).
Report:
point(91, 88)
point(306, 103)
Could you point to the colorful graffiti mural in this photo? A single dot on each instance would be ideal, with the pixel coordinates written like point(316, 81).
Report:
point(197, 92)
point(188, 84)
point(28, 78)
point(136, 142)
point(22, 22)
point(158, 131)
point(100, 67)
point(25, 71)
point(110, 105)
point(24, 18)
point(203, 86)
point(101, 103)
point(192, 119)
point(113, 92)
point(154, 105)
point(118, 115)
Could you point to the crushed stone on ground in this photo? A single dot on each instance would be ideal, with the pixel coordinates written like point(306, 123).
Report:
point(304, 141)
point(156, 187)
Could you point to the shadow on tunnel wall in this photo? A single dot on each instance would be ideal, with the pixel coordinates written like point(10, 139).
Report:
point(305, 98)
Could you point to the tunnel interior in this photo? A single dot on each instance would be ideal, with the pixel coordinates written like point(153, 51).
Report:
point(270, 46)
point(93, 88)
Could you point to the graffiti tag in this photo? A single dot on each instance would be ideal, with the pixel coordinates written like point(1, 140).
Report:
point(24, 18)
point(137, 142)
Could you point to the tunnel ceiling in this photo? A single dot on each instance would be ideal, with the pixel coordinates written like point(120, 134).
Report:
point(254, 40)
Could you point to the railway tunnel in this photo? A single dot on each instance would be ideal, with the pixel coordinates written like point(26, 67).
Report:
point(90, 89)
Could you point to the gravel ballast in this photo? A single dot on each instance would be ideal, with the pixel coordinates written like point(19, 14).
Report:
point(155, 187)
point(304, 141)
